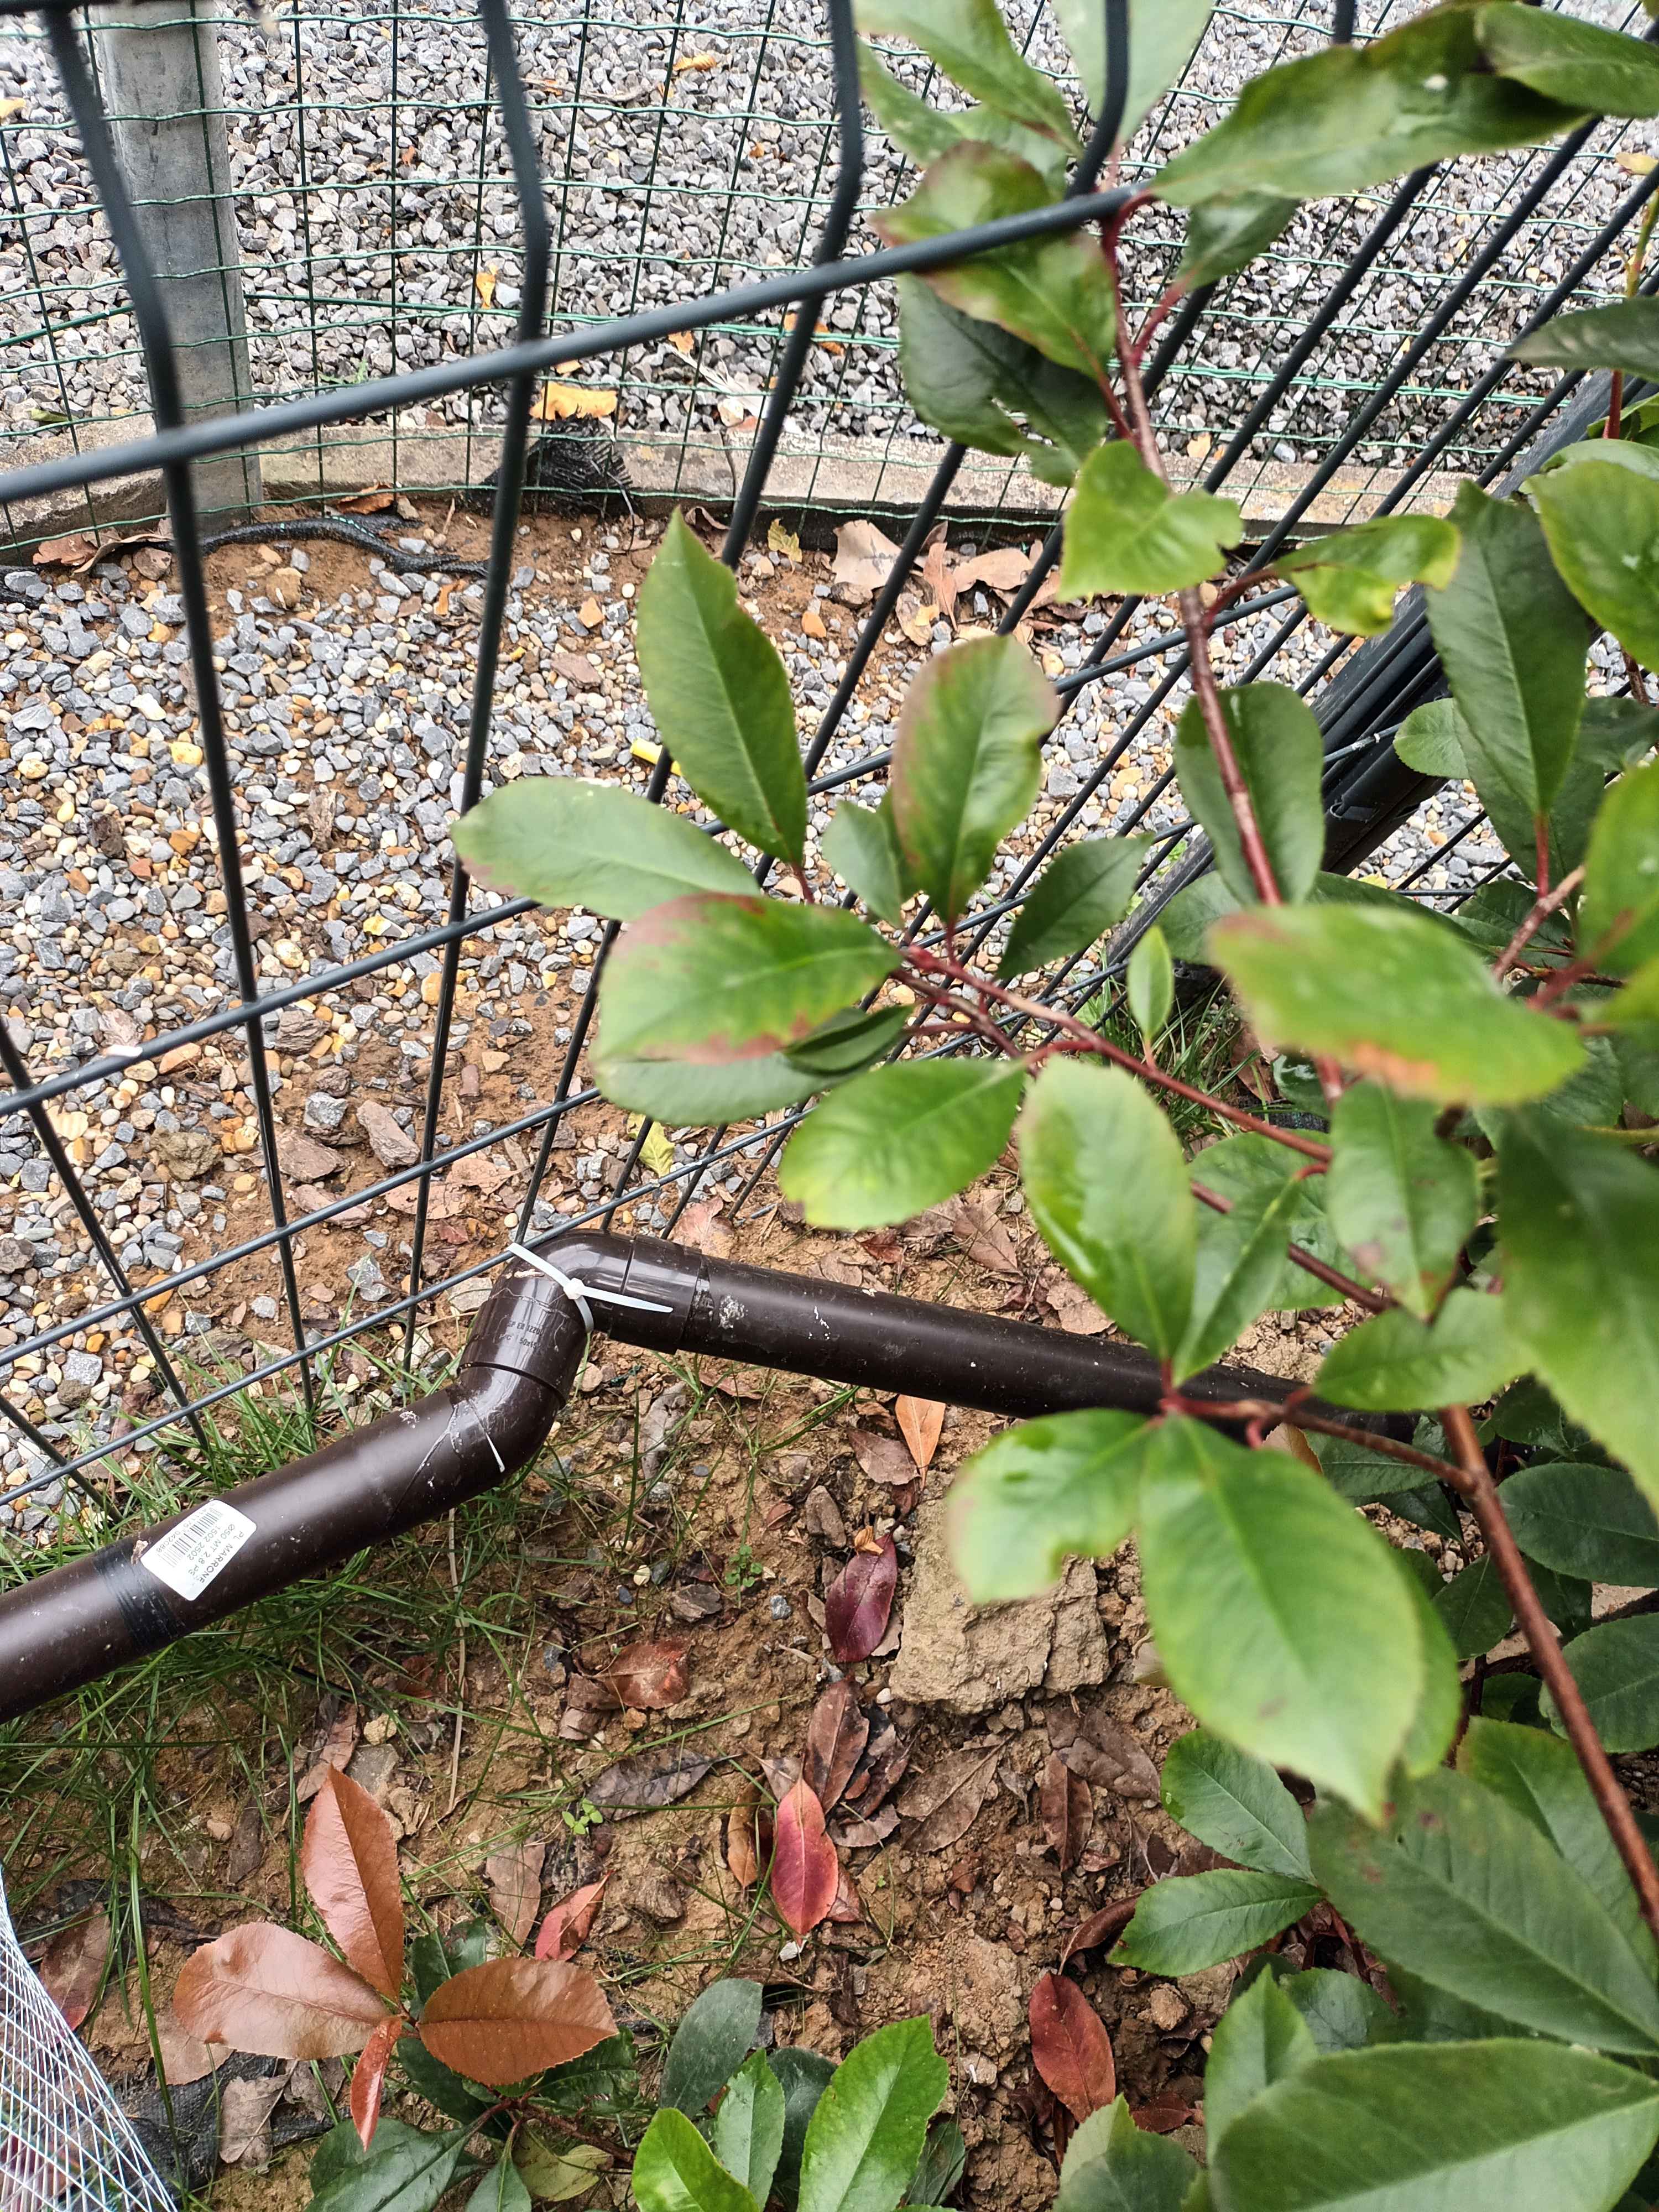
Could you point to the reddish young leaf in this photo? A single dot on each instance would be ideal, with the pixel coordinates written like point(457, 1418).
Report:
point(368, 2076)
point(648, 1676)
point(514, 2017)
point(858, 1603)
point(565, 1929)
point(263, 1990)
point(349, 1862)
point(1070, 2046)
point(514, 1880)
point(920, 1421)
point(74, 1966)
point(805, 1872)
point(836, 1737)
point(1068, 1811)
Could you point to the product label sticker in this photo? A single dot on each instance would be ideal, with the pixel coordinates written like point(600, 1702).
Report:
point(189, 1557)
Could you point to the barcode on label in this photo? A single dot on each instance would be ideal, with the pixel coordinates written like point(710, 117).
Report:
point(189, 1557)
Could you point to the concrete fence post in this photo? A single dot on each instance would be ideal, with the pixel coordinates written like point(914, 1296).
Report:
point(159, 63)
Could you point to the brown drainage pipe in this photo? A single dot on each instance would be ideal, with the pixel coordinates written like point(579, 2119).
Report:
point(67, 1628)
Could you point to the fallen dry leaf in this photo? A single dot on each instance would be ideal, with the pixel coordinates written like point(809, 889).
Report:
point(564, 403)
point(75, 551)
point(1104, 1754)
point(844, 1907)
point(749, 1837)
point(805, 1871)
point(373, 499)
point(483, 283)
point(1068, 1811)
point(1100, 1927)
point(863, 1835)
point(1070, 2046)
point(650, 1676)
point(1003, 570)
point(566, 1927)
point(682, 340)
point(514, 1880)
point(919, 1420)
point(704, 61)
point(73, 1967)
point(915, 620)
point(183, 2058)
point(1162, 2114)
point(1073, 1308)
point(884, 1459)
point(982, 1235)
point(882, 1765)
point(939, 577)
point(648, 1782)
point(783, 542)
point(944, 1805)
point(858, 1603)
point(864, 559)
point(701, 1227)
point(244, 2109)
point(836, 1737)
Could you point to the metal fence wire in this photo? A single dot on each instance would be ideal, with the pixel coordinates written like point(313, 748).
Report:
point(231, 908)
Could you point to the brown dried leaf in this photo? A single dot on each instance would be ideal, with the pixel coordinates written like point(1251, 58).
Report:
point(1068, 1811)
point(1070, 2046)
point(881, 1768)
point(805, 1872)
point(939, 576)
point(562, 402)
point(1073, 1308)
point(844, 1907)
point(349, 1862)
point(1106, 1755)
point(1100, 1927)
point(72, 1970)
point(648, 1782)
point(368, 2078)
point(701, 1228)
point(373, 499)
point(513, 2017)
point(245, 2104)
point(919, 1420)
point(341, 1739)
point(944, 1804)
point(566, 1927)
point(836, 1737)
point(864, 559)
point(858, 1603)
point(264, 1990)
point(884, 1459)
point(982, 1235)
point(75, 551)
point(863, 1835)
point(1162, 2114)
point(749, 1837)
point(183, 2058)
point(649, 1676)
point(1003, 570)
point(483, 283)
point(513, 1878)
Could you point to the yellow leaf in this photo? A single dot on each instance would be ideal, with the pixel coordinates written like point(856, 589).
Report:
point(10, 108)
point(780, 540)
point(682, 340)
point(483, 283)
point(558, 403)
point(657, 1154)
point(920, 1421)
point(697, 62)
point(1634, 164)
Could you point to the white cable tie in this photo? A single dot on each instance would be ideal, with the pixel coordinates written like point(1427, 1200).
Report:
point(580, 1293)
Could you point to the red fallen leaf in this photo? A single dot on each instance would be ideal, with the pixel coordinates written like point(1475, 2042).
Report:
point(73, 1966)
point(857, 1604)
point(368, 2077)
point(883, 1458)
point(498, 2023)
point(1161, 2114)
point(648, 1676)
point(920, 1421)
point(836, 1737)
point(1068, 1811)
point(264, 1990)
point(1070, 2046)
point(805, 1872)
point(565, 1929)
point(514, 1880)
point(349, 1862)
point(1101, 1928)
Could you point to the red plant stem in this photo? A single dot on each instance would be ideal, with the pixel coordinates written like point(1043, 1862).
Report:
point(1615, 404)
point(1345, 1284)
point(1540, 912)
point(1170, 297)
point(1474, 1480)
point(1270, 1412)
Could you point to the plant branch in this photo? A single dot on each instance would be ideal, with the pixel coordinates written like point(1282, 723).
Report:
point(1545, 904)
point(1474, 1480)
point(1294, 1411)
point(1303, 1258)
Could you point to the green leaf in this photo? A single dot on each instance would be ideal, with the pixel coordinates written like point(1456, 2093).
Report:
point(1429, 1022)
point(565, 841)
point(970, 43)
point(1351, 116)
point(720, 696)
point(971, 380)
point(939, 2169)
point(1038, 1494)
point(1512, 643)
point(1151, 984)
point(748, 2126)
point(866, 2133)
point(1616, 1667)
point(1253, 1172)
point(1618, 913)
point(1625, 336)
point(1602, 525)
point(1491, 917)
point(899, 1139)
point(1280, 1616)
point(1280, 755)
point(1579, 1221)
point(1439, 1714)
point(554, 2170)
point(712, 979)
point(1431, 739)
point(1054, 293)
point(1465, 1891)
point(1579, 64)
point(1113, 2166)
point(1395, 1363)
point(1125, 530)
point(1163, 37)
point(1539, 1777)
point(1240, 1261)
point(434, 2081)
point(501, 2190)
point(1260, 2039)
point(849, 1042)
point(1237, 1805)
point(804, 2076)
point(968, 763)
point(1436, 741)
point(675, 1090)
point(1442, 2128)
point(1189, 1922)
point(1474, 1609)
point(710, 2042)
point(1637, 1006)
point(401, 2170)
point(1342, 2012)
point(1350, 578)
point(1591, 1521)
point(924, 132)
point(1083, 892)
point(1224, 235)
point(1107, 1187)
point(1401, 1200)
point(675, 2171)
point(861, 845)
